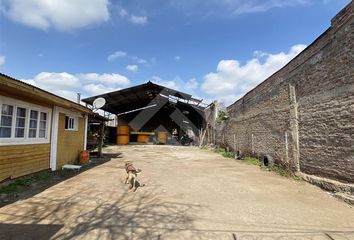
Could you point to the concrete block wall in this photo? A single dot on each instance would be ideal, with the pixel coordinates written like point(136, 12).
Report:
point(303, 115)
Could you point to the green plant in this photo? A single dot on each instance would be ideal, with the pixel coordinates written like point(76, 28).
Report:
point(224, 153)
point(25, 182)
point(251, 160)
point(221, 116)
point(42, 176)
point(228, 154)
point(219, 150)
point(9, 188)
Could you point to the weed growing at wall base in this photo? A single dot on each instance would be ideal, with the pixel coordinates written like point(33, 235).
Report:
point(278, 170)
point(225, 153)
point(24, 182)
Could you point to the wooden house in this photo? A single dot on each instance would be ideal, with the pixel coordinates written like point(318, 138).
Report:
point(38, 130)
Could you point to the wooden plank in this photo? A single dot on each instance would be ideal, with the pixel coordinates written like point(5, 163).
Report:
point(24, 157)
point(16, 150)
point(19, 160)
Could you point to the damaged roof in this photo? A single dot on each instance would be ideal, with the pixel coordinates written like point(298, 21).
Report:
point(141, 96)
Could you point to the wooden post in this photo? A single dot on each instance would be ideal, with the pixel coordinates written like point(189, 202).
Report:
point(203, 135)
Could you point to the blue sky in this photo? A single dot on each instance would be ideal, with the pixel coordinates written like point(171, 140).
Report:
point(213, 49)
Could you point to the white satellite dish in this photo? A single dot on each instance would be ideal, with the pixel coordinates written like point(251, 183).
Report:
point(99, 102)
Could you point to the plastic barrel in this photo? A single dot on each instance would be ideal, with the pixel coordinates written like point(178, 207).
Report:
point(162, 137)
point(122, 139)
point(123, 130)
point(143, 138)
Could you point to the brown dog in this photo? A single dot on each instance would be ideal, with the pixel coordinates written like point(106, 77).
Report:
point(132, 174)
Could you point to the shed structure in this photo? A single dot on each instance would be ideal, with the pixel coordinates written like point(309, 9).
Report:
point(150, 107)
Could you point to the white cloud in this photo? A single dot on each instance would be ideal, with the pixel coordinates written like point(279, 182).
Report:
point(139, 60)
point(132, 68)
point(62, 80)
point(123, 12)
point(63, 15)
point(111, 79)
point(115, 55)
point(230, 8)
point(139, 20)
point(177, 58)
point(191, 84)
point(2, 60)
point(68, 85)
point(121, 54)
point(232, 80)
point(97, 89)
point(166, 83)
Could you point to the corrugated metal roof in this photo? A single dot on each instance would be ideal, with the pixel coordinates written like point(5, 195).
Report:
point(138, 97)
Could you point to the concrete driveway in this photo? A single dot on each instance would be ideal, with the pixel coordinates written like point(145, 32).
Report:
point(189, 194)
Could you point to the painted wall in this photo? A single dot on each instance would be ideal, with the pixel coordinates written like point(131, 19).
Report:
point(19, 160)
point(70, 143)
point(303, 115)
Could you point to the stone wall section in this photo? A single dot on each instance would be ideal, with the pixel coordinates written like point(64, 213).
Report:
point(303, 115)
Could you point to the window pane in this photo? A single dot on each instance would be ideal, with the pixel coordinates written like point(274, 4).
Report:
point(71, 123)
point(19, 132)
point(66, 122)
point(5, 132)
point(21, 112)
point(7, 109)
point(42, 133)
point(43, 116)
point(20, 122)
point(34, 114)
point(42, 125)
point(32, 133)
point(6, 121)
point(33, 123)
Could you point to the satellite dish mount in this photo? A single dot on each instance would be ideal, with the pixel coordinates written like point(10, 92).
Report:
point(98, 103)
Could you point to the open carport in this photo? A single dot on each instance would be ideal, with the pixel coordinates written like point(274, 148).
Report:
point(189, 193)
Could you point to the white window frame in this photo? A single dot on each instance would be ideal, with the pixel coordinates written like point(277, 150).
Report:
point(75, 126)
point(28, 106)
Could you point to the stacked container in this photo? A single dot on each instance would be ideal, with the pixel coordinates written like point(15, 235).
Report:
point(123, 132)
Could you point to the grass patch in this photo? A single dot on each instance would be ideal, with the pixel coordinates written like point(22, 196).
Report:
point(9, 188)
point(278, 170)
point(25, 182)
point(43, 176)
point(228, 154)
point(224, 153)
point(251, 161)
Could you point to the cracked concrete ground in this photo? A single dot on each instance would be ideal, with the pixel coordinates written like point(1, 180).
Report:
point(188, 194)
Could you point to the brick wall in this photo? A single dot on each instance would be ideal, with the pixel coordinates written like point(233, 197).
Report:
point(303, 115)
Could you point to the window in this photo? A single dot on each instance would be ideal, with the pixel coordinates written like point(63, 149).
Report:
point(20, 122)
point(70, 123)
point(23, 122)
point(43, 125)
point(33, 124)
point(6, 121)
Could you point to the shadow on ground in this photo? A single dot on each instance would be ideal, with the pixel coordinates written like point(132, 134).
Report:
point(26, 231)
point(129, 216)
point(53, 178)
